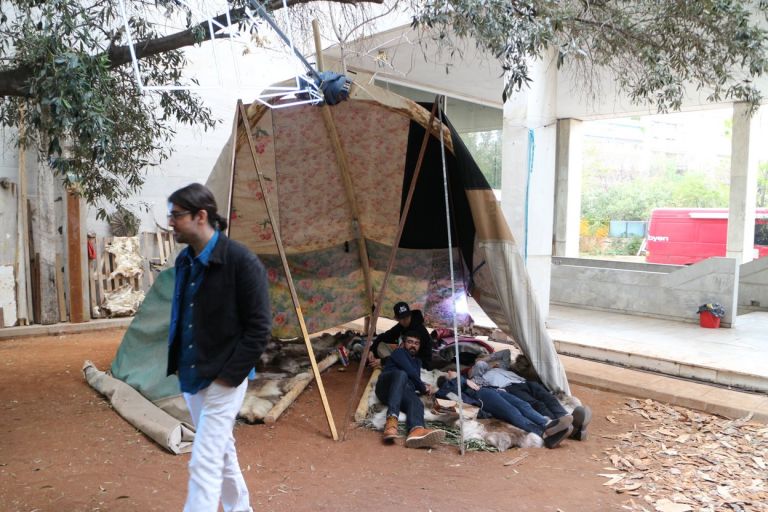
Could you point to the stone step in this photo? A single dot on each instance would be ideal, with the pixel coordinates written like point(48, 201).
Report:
point(697, 372)
point(638, 384)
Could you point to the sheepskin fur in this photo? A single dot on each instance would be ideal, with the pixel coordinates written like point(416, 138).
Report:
point(496, 433)
point(283, 363)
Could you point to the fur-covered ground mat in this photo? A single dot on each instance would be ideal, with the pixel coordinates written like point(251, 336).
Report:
point(284, 372)
point(479, 434)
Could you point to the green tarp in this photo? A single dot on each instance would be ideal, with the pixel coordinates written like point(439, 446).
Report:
point(142, 358)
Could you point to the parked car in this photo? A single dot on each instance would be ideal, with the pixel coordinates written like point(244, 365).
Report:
point(683, 236)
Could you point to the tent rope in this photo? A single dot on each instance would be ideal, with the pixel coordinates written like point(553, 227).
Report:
point(390, 265)
point(453, 283)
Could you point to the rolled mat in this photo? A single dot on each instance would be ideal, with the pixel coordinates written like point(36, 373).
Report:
point(170, 433)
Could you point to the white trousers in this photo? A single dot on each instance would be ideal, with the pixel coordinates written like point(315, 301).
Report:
point(214, 472)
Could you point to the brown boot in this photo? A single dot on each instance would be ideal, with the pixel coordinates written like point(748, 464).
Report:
point(390, 429)
point(420, 437)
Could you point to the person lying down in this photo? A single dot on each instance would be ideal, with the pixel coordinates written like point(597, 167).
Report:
point(526, 404)
point(512, 410)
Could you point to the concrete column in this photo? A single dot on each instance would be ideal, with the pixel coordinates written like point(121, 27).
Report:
point(527, 199)
point(743, 191)
point(568, 164)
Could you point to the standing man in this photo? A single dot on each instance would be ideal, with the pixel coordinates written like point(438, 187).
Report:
point(397, 386)
point(220, 324)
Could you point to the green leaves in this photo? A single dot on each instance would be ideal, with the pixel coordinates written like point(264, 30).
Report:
point(654, 50)
point(96, 128)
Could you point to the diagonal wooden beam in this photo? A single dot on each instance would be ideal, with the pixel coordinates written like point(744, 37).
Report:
point(403, 216)
point(241, 113)
point(346, 177)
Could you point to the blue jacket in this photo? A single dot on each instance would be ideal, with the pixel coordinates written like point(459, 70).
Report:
point(402, 360)
point(468, 395)
point(232, 317)
point(189, 276)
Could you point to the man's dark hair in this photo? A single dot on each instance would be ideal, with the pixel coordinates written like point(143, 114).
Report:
point(197, 197)
point(412, 334)
point(441, 380)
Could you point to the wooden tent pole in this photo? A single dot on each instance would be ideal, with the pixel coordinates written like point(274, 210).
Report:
point(357, 226)
point(346, 178)
point(278, 241)
point(319, 61)
point(390, 265)
point(232, 169)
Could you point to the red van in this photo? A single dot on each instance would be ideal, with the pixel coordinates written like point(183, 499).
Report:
point(682, 236)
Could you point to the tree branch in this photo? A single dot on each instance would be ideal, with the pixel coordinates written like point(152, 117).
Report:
point(13, 82)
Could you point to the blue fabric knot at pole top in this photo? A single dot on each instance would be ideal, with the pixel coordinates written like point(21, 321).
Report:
point(334, 86)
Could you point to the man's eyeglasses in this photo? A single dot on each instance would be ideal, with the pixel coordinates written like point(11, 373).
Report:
point(177, 214)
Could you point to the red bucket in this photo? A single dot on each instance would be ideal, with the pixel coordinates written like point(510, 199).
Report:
point(708, 320)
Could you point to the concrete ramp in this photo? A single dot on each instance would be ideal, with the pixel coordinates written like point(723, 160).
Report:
point(753, 286)
point(667, 292)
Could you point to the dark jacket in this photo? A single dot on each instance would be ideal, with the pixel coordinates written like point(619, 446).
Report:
point(468, 395)
point(417, 324)
point(402, 360)
point(232, 316)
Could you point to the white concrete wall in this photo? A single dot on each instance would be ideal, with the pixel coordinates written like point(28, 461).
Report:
point(603, 99)
point(660, 291)
point(196, 150)
point(9, 172)
point(527, 198)
point(7, 295)
point(753, 285)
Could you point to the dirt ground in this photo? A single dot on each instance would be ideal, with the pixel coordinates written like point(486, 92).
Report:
point(62, 448)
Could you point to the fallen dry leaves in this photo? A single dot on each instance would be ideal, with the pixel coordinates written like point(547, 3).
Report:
point(678, 460)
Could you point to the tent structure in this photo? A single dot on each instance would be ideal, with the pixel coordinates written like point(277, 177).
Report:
point(339, 188)
point(335, 182)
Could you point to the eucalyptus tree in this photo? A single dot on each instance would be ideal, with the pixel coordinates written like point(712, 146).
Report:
point(67, 62)
point(66, 76)
point(653, 49)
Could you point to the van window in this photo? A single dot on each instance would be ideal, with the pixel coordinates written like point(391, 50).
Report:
point(761, 233)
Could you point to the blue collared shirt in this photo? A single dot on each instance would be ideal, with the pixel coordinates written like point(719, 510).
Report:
point(189, 275)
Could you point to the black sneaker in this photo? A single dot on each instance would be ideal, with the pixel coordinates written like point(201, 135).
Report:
point(579, 435)
point(554, 440)
point(557, 425)
point(582, 415)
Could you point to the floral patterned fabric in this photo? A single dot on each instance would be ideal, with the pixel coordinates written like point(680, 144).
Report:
point(249, 222)
point(329, 285)
point(300, 166)
point(379, 132)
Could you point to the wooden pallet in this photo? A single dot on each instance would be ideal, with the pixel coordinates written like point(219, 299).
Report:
point(155, 249)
